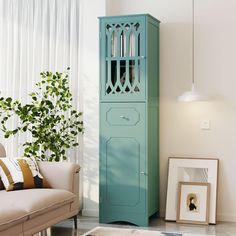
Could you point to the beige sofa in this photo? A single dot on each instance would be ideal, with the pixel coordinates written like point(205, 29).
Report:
point(25, 212)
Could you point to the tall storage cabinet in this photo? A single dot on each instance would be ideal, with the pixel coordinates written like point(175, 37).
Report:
point(129, 118)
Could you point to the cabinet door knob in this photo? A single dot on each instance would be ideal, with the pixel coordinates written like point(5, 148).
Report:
point(124, 117)
point(143, 57)
point(142, 173)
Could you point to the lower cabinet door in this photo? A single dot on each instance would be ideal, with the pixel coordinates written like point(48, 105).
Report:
point(123, 177)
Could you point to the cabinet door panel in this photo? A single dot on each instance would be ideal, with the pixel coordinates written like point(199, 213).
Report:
point(122, 57)
point(122, 169)
point(123, 158)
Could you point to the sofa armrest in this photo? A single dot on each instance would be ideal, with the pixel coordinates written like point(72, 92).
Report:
point(61, 175)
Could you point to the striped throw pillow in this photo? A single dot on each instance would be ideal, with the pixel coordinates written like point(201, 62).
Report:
point(21, 173)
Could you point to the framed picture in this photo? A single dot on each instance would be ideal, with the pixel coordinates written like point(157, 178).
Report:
point(191, 170)
point(193, 203)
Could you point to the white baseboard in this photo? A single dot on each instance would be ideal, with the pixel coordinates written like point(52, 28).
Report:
point(226, 217)
point(220, 217)
point(90, 212)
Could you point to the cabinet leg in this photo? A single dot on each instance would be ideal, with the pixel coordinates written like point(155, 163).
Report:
point(75, 221)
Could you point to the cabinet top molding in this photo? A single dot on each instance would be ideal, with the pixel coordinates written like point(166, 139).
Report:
point(133, 15)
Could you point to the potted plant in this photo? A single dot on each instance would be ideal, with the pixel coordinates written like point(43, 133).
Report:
point(49, 118)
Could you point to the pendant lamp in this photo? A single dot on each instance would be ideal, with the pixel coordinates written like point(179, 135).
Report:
point(192, 95)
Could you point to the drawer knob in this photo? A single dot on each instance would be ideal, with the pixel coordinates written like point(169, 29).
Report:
point(124, 117)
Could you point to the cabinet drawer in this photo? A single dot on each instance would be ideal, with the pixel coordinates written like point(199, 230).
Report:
point(122, 114)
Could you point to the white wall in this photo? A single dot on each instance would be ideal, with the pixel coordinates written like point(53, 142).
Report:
point(89, 75)
point(215, 55)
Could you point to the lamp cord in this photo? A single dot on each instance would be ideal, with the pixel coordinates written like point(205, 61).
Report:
point(193, 51)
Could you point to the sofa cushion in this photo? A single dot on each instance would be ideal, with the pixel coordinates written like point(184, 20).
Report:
point(21, 173)
point(11, 215)
point(36, 201)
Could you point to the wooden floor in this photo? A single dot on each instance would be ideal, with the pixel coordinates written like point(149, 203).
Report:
point(85, 224)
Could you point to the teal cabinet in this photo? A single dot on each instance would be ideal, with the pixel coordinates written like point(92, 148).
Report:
point(129, 141)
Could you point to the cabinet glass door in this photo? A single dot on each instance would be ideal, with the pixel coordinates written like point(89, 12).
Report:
point(123, 60)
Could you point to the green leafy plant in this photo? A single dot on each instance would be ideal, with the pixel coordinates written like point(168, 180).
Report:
point(50, 119)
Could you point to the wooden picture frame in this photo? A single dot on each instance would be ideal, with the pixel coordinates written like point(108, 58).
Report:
point(191, 170)
point(193, 203)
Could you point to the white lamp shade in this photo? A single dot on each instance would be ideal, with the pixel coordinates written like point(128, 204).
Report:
point(192, 96)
